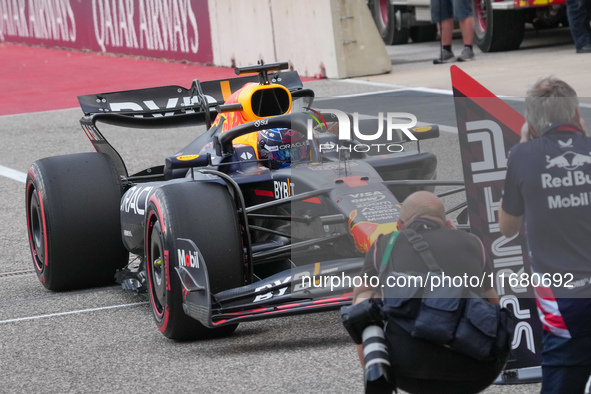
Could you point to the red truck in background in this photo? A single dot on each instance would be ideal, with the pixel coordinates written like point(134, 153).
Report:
point(498, 25)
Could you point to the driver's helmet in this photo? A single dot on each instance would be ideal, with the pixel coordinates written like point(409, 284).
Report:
point(281, 147)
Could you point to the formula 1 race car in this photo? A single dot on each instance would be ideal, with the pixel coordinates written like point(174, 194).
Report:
point(246, 222)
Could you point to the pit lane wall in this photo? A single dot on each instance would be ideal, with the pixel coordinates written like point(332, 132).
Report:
point(168, 29)
point(328, 38)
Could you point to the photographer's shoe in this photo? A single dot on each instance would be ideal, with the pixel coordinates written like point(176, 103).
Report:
point(585, 49)
point(466, 55)
point(445, 56)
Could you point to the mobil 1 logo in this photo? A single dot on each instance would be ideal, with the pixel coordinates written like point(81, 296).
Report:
point(187, 254)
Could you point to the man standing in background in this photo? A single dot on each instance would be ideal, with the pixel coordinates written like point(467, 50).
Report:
point(444, 12)
point(548, 184)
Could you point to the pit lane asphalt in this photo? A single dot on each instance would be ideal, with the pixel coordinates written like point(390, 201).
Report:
point(104, 340)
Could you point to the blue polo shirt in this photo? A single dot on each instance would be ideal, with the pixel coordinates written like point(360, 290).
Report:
point(549, 181)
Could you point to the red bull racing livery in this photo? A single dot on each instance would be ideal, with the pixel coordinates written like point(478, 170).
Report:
point(218, 235)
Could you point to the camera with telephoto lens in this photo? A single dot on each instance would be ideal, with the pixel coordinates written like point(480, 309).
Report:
point(364, 323)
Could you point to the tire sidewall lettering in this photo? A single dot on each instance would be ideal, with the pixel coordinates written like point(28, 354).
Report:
point(155, 214)
point(34, 190)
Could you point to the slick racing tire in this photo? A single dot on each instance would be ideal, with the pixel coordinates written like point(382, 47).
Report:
point(73, 224)
point(206, 214)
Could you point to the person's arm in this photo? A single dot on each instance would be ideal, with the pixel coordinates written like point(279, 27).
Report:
point(525, 133)
point(509, 224)
point(492, 296)
point(512, 204)
point(361, 293)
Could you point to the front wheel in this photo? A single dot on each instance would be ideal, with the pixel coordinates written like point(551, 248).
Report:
point(206, 214)
point(497, 30)
point(73, 224)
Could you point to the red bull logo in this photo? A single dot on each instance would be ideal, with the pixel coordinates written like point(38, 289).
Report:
point(365, 233)
point(568, 160)
point(233, 118)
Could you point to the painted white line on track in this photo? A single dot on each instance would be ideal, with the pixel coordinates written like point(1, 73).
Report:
point(373, 83)
point(401, 88)
point(70, 313)
point(398, 87)
point(13, 174)
point(367, 94)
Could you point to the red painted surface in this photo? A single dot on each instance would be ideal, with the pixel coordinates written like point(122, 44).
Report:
point(36, 79)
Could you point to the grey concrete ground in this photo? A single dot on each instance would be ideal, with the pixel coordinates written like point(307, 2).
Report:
point(93, 341)
point(542, 53)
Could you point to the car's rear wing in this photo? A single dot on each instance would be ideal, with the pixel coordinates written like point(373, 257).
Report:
point(175, 100)
point(173, 106)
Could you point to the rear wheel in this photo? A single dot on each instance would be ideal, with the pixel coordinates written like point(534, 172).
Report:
point(73, 223)
point(497, 30)
point(388, 19)
point(206, 214)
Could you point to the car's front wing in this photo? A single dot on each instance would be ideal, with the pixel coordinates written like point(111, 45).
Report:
point(310, 288)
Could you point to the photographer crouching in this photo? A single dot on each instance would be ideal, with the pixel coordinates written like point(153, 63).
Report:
point(422, 338)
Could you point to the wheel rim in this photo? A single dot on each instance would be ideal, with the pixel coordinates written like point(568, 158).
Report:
point(36, 232)
point(384, 12)
point(480, 12)
point(157, 271)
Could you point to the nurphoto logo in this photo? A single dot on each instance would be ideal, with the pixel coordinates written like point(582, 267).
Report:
point(392, 122)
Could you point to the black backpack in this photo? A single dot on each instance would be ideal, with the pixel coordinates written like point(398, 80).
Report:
point(454, 317)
